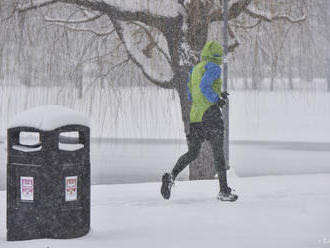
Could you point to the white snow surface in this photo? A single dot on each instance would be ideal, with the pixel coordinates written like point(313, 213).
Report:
point(272, 212)
point(169, 8)
point(27, 149)
point(30, 3)
point(48, 117)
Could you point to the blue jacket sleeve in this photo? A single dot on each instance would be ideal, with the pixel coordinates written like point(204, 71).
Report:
point(188, 91)
point(213, 72)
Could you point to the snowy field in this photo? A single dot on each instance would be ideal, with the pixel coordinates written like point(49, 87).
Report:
point(273, 211)
point(279, 155)
point(153, 113)
point(136, 161)
point(137, 134)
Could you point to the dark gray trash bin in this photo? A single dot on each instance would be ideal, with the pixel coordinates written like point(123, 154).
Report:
point(48, 182)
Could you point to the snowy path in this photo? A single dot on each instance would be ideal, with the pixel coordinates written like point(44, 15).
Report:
point(272, 211)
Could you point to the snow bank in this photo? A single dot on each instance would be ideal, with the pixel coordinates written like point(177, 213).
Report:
point(272, 212)
point(48, 118)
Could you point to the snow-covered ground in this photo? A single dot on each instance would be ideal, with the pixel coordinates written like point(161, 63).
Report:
point(272, 211)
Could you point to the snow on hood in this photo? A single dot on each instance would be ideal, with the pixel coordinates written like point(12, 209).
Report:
point(48, 117)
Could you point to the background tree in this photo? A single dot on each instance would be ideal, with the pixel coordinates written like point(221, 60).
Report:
point(164, 38)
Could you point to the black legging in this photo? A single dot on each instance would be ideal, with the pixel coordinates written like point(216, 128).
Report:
point(211, 129)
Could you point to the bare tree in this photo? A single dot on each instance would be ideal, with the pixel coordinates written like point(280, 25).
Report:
point(164, 37)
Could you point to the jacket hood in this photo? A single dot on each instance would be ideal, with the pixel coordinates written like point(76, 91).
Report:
point(212, 52)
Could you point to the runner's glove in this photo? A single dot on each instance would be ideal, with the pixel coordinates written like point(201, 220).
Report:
point(220, 102)
point(224, 95)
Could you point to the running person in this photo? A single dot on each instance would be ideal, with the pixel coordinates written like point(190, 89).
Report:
point(204, 90)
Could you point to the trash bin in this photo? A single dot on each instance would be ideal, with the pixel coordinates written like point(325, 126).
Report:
point(48, 174)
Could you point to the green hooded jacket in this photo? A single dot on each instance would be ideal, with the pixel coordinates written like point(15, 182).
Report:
point(204, 85)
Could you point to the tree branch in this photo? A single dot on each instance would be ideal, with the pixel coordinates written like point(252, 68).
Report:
point(146, 17)
point(268, 17)
point(238, 8)
point(119, 30)
point(234, 11)
point(35, 5)
point(47, 19)
point(67, 26)
point(236, 43)
point(152, 41)
point(239, 25)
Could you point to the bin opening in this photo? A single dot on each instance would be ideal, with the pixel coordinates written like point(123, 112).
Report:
point(28, 142)
point(70, 141)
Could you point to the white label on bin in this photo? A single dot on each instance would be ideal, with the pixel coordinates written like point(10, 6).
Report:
point(71, 187)
point(27, 188)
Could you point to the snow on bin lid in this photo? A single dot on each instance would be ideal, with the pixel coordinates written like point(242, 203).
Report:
point(48, 117)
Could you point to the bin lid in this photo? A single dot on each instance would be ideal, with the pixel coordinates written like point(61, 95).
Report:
point(48, 117)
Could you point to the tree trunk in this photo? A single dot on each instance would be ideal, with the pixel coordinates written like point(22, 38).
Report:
point(26, 71)
point(272, 77)
point(203, 166)
point(2, 71)
point(255, 66)
point(79, 81)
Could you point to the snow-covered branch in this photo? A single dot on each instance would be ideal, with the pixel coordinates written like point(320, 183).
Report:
point(165, 8)
point(158, 71)
point(35, 4)
point(78, 21)
point(152, 43)
point(242, 26)
point(150, 12)
point(237, 7)
point(269, 17)
point(75, 29)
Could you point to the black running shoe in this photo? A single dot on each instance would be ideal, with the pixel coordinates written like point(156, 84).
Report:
point(227, 196)
point(167, 183)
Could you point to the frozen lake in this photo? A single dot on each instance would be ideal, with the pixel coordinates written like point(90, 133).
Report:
point(133, 161)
